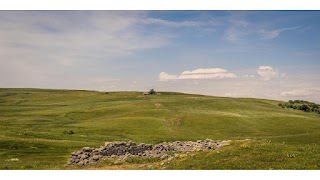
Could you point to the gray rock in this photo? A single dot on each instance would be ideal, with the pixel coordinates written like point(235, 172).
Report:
point(123, 150)
point(84, 156)
point(87, 149)
point(96, 157)
point(80, 163)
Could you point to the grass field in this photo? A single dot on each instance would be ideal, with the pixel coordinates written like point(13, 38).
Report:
point(34, 122)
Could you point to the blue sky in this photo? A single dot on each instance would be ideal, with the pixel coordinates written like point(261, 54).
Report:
point(262, 54)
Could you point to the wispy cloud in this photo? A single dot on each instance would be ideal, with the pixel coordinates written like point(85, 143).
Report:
point(175, 24)
point(249, 76)
point(236, 29)
point(296, 92)
point(52, 42)
point(239, 22)
point(272, 34)
point(232, 35)
point(75, 34)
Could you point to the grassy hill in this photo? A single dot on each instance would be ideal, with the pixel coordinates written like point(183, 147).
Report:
point(35, 126)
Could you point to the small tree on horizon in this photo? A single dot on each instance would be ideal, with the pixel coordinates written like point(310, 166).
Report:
point(152, 91)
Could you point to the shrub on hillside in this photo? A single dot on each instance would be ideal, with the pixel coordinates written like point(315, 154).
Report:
point(301, 105)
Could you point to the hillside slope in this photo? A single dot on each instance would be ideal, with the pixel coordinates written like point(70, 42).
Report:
point(35, 124)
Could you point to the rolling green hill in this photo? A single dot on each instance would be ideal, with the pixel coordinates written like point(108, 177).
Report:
point(35, 126)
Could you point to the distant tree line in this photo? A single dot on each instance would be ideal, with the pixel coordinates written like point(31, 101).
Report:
point(301, 105)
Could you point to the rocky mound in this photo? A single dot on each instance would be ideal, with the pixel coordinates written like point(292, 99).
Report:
point(124, 150)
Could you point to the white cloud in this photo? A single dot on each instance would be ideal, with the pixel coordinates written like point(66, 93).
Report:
point(163, 76)
point(210, 73)
point(267, 72)
point(265, 68)
point(204, 71)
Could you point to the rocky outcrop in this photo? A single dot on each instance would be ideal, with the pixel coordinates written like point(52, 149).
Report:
point(124, 150)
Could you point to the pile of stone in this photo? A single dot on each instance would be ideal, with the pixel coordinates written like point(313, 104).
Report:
point(124, 150)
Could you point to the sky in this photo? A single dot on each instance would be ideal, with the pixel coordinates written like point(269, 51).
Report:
point(258, 54)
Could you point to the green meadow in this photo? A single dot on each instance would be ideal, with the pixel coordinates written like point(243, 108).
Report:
point(35, 126)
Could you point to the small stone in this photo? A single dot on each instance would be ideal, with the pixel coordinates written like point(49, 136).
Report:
point(176, 155)
point(81, 163)
point(163, 156)
point(96, 157)
point(84, 156)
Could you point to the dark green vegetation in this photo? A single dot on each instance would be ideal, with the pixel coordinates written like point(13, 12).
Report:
point(301, 105)
point(152, 92)
point(40, 128)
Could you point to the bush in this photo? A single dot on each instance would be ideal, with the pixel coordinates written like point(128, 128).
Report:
point(289, 105)
point(304, 108)
point(152, 92)
point(315, 106)
point(301, 105)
